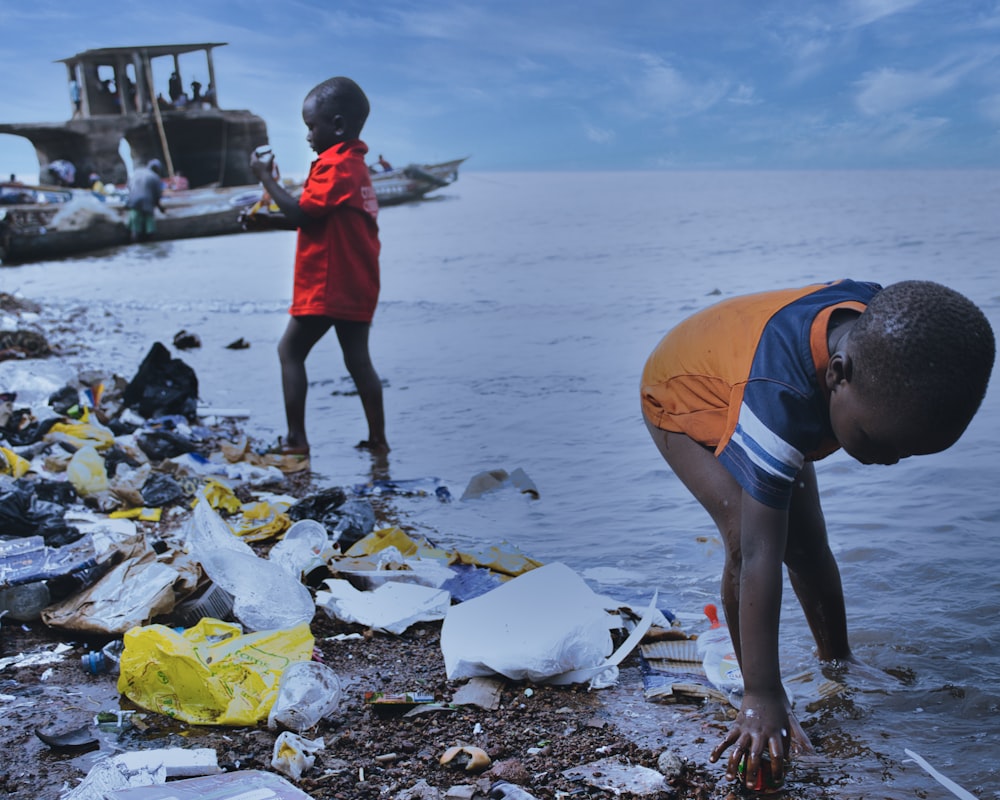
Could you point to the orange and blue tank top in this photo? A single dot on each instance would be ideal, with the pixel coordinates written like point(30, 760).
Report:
point(746, 377)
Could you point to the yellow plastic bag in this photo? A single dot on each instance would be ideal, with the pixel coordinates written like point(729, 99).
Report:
point(210, 674)
point(86, 471)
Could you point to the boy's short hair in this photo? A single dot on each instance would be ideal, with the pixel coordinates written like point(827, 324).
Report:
point(925, 349)
point(342, 96)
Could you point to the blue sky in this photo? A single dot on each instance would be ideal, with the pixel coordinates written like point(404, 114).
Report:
point(587, 84)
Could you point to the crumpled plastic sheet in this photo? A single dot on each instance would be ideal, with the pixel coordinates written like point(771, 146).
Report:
point(392, 607)
point(131, 594)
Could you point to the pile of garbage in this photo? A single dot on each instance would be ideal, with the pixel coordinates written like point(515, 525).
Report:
point(130, 515)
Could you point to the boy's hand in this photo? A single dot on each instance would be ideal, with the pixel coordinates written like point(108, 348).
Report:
point(765, 724)
point(260, 167)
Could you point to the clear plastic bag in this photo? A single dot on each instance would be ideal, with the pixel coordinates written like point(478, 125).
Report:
point(308, 692)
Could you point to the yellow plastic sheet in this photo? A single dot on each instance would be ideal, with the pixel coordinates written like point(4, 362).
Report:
point(12, 464)
point(140, 513)
point(81, 433)
point(261, 521)
point(394, 537)
point(210, 674)
point(222, 497)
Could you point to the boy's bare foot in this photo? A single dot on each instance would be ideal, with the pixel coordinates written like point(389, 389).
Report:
point(376, 448)
point(284, 448)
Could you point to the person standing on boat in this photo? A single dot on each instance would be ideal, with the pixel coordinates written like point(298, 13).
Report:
point(145, 188)
point(336, 282)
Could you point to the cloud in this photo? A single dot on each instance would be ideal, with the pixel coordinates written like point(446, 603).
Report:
point(598, 135)
point(866, 12)
point(743, 95)
point(662, 89)
point(990, 108)
point(886, 91)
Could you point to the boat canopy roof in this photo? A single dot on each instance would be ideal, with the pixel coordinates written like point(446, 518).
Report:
point(151, 50)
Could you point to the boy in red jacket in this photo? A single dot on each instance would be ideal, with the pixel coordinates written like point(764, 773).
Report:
point(336, 257)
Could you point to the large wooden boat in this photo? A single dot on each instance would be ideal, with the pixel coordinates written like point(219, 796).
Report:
point(39, 222)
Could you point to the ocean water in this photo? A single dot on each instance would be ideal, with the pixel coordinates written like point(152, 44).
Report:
point(516, 313)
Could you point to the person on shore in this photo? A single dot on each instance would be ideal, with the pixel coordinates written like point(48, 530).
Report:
point(742, 398)
point(145, 188)
point(336, 282)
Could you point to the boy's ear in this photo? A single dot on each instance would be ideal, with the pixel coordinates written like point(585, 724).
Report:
point(839, 370)
point(339, 124)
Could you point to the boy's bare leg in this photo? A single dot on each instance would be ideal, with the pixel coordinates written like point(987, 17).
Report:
point(353, 338)
point(813, 570)
point(300, 336)
point(716, 489)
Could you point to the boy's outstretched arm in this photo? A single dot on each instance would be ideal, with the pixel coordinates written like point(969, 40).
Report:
point(765, 722)
point(288, 204)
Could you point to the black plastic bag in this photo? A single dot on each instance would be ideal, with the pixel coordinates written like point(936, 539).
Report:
point(163, 386)
point(161, 444)
point(317, 506)
point(22, 514)
point(161, 490)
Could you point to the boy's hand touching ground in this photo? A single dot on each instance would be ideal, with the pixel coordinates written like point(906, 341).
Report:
point(765, 724)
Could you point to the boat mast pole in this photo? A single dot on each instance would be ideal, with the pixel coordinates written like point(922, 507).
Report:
point(158, 118)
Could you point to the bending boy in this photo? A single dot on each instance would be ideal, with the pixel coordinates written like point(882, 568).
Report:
point(336, 257)
point(743, 396)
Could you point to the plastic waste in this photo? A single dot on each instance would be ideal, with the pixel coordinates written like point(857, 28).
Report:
point(502, 790)
point(211, 674)
point(265, 595)
point(212, 601)
point(294, 754)
point(307, 692)
point(354, 520)
point(242, 784)
point(718, 657)
point(163, 385)
point(392, 607)
point(107, 659)
point(535, 627)
point(137, 771)
point(25, 602)
point(86, 472)
point(304, 547)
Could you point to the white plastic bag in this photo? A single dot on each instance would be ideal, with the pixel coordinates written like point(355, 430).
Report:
point(294, 754)
point(537, 626)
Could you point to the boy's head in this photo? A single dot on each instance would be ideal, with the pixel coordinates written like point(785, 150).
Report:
point(334, 111)
point(911, 374)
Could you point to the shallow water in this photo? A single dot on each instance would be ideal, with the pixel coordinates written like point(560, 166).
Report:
point(517, 311)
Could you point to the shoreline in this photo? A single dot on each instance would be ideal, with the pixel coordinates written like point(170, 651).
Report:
point(574, 727)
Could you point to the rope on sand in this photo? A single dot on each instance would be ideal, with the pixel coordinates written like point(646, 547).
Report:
point(947, 783)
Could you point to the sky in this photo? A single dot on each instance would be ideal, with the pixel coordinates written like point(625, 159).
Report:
point(527, 85)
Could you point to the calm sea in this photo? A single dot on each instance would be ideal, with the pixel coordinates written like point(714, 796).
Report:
point(517, 311)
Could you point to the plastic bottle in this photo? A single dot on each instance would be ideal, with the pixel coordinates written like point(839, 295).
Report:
point(719, 660)
point(107, 659)
point(25, 601)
